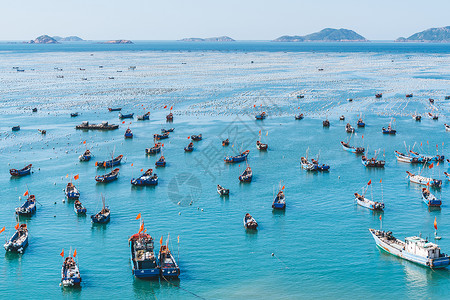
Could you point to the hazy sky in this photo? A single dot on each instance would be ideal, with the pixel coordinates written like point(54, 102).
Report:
point(239, 19)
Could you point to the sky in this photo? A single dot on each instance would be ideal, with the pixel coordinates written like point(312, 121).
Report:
point(239, 19)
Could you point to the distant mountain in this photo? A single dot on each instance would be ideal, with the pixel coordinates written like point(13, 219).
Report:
point(325, 35)
point(118, 42)
point(68, 39)
point(211, 39)
point(43, 39)
point(437, 35)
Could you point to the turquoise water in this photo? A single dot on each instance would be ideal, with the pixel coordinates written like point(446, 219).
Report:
point(321, 246)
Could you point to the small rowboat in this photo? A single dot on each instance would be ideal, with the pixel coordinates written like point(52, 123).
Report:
point(429, 199)
point(408, 158)
point(378, 95)
point(306, 165)
point(167, 130)
point(427, 158)
point(237, 158)
point(436, 183)
point(22, 172)
point(169, 117)
point(146, 179)
point(370, 204)
point(417, 117)
point(261, 116)
point(222, 191)
point(447, 127)
point(342, 118)
point(409, 95)
point(19, 241)
point(299, 117)
point(225, 142)
point(16, 128)
point(71, 191)
point(86, 156)
point(360, 123)
point(247, 175)
point(108, 177)
point(109, 163)
point(431, 100)
point(127, 116)
point(161, 162)
point(28, 208)
point(320, 167)
point(196, 137)
point(372, 162)
point(326, 123)
point(433, 116)
point(279, 202)
point(189, 147)
point(250, 222)
point(300, 96)
point(70, 274)
point(155, 149)
point(115, 109)
point(79, 208)
point(167, 264)
point(347, 147)
point(102, 216)
point(41, 131)
point(73, 115)
point(349, 128)
point(388, 130)
point(350, 100)
point(447, 175)
point(128, 134)
point(262, 147)
point(144, 117)
point(162, 136)
point(34, 109)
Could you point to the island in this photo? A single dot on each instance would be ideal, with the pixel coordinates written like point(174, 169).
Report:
point(211, 39)
point(43, 39)
point(325, 35)
point(431, 35)
point(118, 42)
point(72, 38)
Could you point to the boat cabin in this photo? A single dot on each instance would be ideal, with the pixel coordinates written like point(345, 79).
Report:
point(421, 247)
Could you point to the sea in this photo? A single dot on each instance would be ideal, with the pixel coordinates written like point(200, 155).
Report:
point(318, 248)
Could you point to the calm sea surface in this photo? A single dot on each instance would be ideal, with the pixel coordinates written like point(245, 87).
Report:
point(320, 247)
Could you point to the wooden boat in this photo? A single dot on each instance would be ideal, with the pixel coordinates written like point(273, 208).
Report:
point(379, 95)
point(115, 109)
point(326, 123)
point(300, 96)
point(73, 115)
point(261, 116)
point(161, 162)
point(225, 142)
point(109, 163)
point(79, 208)
point(372, 162)
point(409, 95)
point(429, 199)
point(350, 100)
point(320, 167)
point(247, 175)
point(260, 146)
point(447, 175)
point(71, 191)
point(360, 123)
point(414, 249)
point(433, 116)
point(389, 130)
point(86, 156)
point(279, 202)
point(250, 222)
point(313, 165)
point(144, 117)
point(103, 126)
point(34, 109)
point(22, 172)
point(299, 117)
point(436, 183)
point(162, 136)
point(364, 202)
point(167, 264)
point(417, 117)
point(28, 208)
point(189, 147)
point(108, 177)
point(19, 241)
point(143, 260)
point(126, 116)
point(128, 134)
point(447, 127)
point(167, 130)
point(407, 158)
point(237, 158)
point(16, 128)
point(146, 179)
point(349, 128)
point(155, 149)
point(342, 118)
point(427, 158)
point(169, 117)
point(196, 137)
point(102, 216)
point(222, 191)
point(347, 147)
point(431, 100)
point(70, 274)
point(41, 131)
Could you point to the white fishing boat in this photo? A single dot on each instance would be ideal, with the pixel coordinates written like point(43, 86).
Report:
point(430, 199)
point(419, 179)
point(414, 249)
point(222, 191)
point(250, 222)
point(370, 204)
point(447, 127)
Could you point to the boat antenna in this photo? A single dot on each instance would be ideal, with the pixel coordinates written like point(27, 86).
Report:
point(178, 244)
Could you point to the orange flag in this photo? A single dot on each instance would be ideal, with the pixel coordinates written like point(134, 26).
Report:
point(435, 223)
point(189, 137)
point(76, 177)
point(260, 132)
point(370, 182)
point(17, 226)
point(25, 194)
point(62, 253)
point(141, 228)
point(381, 180)
point(282, 187)
point(362, 136)
point(75, 253)
point(67, 176)
point(138, 216)
point(171, 107)
point(161, 240)
point(380, 217)
point(96, 163)
point(123, 122)
point(431, 166)
point(165, 106)
point(178, 238)
point(142, 170)
point(437, 164)
point(131, 164)
point(84, 142)
point(104, 164)
point(3, 229)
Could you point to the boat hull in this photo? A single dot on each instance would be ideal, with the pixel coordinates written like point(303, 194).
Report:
point(170, 272)
point(146, 273)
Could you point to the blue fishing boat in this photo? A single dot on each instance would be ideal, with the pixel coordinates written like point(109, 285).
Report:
point(144, 117)
point(22, 172)
point(189, 147)
point(128, 134)
point(155, 149)
point(146, 179)
point(161, 136)
point(427, 158)
point(299, 117)
point(111, 176)
point(115, 109)
point(126, 116)
point(237, 158)
point(28, 208)
point(71, 191)
point(167, 264)
point(16, 128)
point(408, 158)
point(378, 95)
point(360, 123)
point(102, 216)
point(247, 175)
point(196, 137)
point(79, 208)
point(326, 123)
point(70, 274)
point(307, 165)
point(388, 130)
point(143, 260)
point(86, 156)
point(109, 163)
point(161, 162)
point(167, 130)
point(73, 115)
point(226, 142)
point(356, 150)
point(19, 241)
point(429, 199)
point(261, 116)
point(349, 128)
point(279, 202)
point(372, 162)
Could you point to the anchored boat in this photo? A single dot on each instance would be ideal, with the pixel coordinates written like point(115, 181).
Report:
point(103, 126)
point(326, 123)
point(102, 216)
point(146, 179)
point(143, 260)
point(22, 172)
point(222, 191)
point(250, 222)
point(237, 158)
point(70, 274)
point(115, 109)
point(189, 147)
point(372, 162)
point(360, 123)
point(169, 117)
point(356, 150)
point(389, 130)
point(424, 180)
point(128, 134)
point(407, 158)
point(299, 117)
point(161, 162)
point(109, 163)
point(417, 117)
point(28, 208)
point(144, 117)
point(126, 116)
point(225, 142)
point(364, 202)
point(111, 176)
point(429, 199)
point(86, 156)
point(261, 116)
point(167, 264)
point(349, 128)
point(280, 201)
point(79, 208)
point(155, 149)
point(427, 158)
point(196, 137)
point(167, 130)
point(247, 175)
point(19, 241)
point(15, 128)
point(71, 191)
point(162, 136)
point(433, 116)
point(447, 127)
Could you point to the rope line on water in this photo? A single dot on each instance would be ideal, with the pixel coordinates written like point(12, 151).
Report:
point(192, 293)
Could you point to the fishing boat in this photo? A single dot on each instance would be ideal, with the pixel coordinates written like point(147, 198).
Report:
point(34, 109)
point(155, 149)
point(189, 147)
point(364, 202)
point(306, 165)
point(126, 116)
point(261, 116)
point(111, 176)
point(431, 100)
point(162, 136)
point(447, 175)
point(19, 241)
point(279, 202)
point(196, 137)
point(320, 167)
point(300, 96)
point(299, 117)
point(360, 123)
point(429, 199)
point(144, 117)
point(161, 162)
point(388, 130)
point(41, 131)
point(342, 118)
point(247, 175)
point(356, 150)
point(225, 142)
point(115, 109)
point(414, 249)
point(417, 117)
point(109, 163)
point(146, 179)
point(143, 260)
point(250, 222)
point(79, 208)
point(372, 162)
point(28, 208)
point(71, 191)
point(167, 130)
point(427, 158)
point(447, 98)
point(237, 158)
point(86, 156)
point(73, 115)
point(260, 146)
point(407, 158)
point(167, 264)
point(326, 123)
point(379, 95)
point(103, 126)
point(436, 183)
point(169, 117)
point(70, 274)
point(128, 134)
point(409, 95)
point(222, 191)
point(447, 127)
point(102, 216)
point(349, 128)
point(15, 128)
point(349, 99)
point(22, 172)
point(433, 116)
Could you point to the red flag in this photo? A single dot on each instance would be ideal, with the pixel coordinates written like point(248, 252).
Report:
point(142, 170)
point(3, 229)
point(76, 177)
point(380, 217)
point(131, 164)
point(370, 182)
point(75, 253)
point(123, 122)
point(260, 132)
point(84, 142)
point(165, 106)
point(96, 163)
point(17, 226)
point(62, 253)
point(431, 166)
point(435, 223)
point(171, 107)
point(141, 228)
point(162, 145)
point(420, 144)
point(381, 180)
point(138, 216)
point(282, 188)
point(428, 143)
point(298, 107)
point(254, 105)
point(189, 137)
point(161, 240)
point(362, 136)
point(25, 194)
